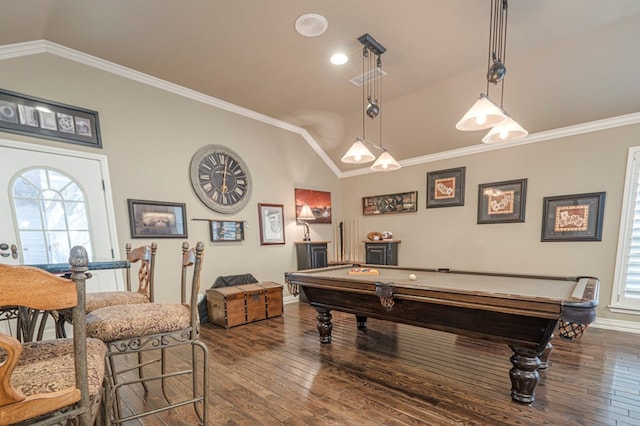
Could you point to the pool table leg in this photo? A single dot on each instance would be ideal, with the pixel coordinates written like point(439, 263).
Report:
point(524, 374)
point(324, 325)
point(361, 322)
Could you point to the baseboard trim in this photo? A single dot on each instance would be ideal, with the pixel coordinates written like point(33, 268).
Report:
point(617, 325)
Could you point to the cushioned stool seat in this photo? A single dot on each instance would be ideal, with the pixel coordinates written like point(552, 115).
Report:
point(128, 321)
point(47, 366)
point(110, 298)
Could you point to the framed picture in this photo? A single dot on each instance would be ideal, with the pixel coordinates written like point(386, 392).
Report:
point(271, 220)
point(226, 230)
point(445, 188)
point(318, 201)
point(502, 202)
point(575, 217)
point(403, 202)
point(157, 219)
point(38, 117)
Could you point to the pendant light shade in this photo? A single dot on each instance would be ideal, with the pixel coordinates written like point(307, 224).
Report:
point(358, 154)
point(385, 163)
point(506, 131)
point(482, 115)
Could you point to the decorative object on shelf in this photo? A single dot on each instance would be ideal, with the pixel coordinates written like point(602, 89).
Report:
point(374, 236)
point(157, 219)
point(226, 230)
point(371, 107)
point(445, 188)
point(32, 116)
point(403, 202)
point(220, 179)
point(387, 235)
point(271, 218)
point(306, 215)
point(502, 202)
point(576, 217)
point(485, 113)
point(318, 201)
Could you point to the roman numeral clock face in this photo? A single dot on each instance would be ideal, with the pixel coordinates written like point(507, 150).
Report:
point(220, 179)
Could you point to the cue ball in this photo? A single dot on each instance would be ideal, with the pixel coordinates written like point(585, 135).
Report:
point(412, 277)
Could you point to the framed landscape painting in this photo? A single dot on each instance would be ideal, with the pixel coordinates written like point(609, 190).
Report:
point(318, 201)
point(157, 219)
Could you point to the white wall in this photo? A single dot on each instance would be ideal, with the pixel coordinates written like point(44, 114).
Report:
point(450, 237)
point(149, 136)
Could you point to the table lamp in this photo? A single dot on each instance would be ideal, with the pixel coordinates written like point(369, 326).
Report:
point(305, 215)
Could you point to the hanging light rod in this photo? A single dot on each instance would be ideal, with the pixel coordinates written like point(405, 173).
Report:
point(359, 153)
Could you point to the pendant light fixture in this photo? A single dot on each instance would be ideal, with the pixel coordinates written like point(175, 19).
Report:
point(359, 153)
point(485, 113)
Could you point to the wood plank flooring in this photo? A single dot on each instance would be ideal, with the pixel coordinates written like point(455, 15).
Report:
point(275, 372)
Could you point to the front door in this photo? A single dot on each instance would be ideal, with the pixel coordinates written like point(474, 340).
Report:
point(38, 235)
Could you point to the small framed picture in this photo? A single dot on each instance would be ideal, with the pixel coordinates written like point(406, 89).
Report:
point(226, 230)
point(576, 217)
point(271, 219)
point(502, 202)
point(445, 188)
point(318, 201)
point(157, 219)
point(403, 202)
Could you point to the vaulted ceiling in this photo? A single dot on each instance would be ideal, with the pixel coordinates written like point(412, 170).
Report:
point(568, 62)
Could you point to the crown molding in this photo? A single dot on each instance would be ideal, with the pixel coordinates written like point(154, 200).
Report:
point(592, 126)
point(43, 46)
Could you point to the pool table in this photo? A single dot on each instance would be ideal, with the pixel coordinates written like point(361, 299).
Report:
point(520, 310)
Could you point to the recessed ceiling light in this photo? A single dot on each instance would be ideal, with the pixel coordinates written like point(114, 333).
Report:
point(311, 25)
point(339, 59)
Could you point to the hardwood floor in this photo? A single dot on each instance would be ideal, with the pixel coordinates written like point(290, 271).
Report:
point(275, 372)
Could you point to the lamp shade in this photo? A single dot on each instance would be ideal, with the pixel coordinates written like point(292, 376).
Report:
point(385, 163)
point(306, 213)
point(358, 154)
point(482, 115)
point(506, 131)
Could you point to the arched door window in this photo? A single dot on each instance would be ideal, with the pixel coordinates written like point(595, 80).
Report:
point(51, 215)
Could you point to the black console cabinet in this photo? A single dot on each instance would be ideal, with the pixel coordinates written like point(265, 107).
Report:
point(311, 254)
point(384, 252)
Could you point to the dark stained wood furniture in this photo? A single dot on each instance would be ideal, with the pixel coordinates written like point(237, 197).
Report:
point(311, 254)
point(520, 310)
point(381, 252)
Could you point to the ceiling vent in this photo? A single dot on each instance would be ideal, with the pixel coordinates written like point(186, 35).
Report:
point(361, 79)
point(311, 25)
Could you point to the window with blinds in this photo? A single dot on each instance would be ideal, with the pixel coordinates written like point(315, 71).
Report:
point(626, 286)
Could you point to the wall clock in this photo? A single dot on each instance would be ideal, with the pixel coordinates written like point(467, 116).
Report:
point(220, 178)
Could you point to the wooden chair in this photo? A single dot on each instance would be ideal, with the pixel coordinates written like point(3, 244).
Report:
point(50, 381)
point(144, 255)
point(135, 329)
